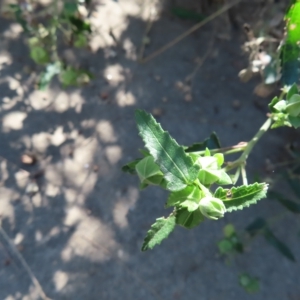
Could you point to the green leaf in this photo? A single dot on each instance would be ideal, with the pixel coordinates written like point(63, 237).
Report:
point(177, 166)
point(50, 72)
point(130, 167)
point(290, 205)
point(148, 171)
point(220, 158)
point(243, 196)
point(189, 205)
point(293, 109)
point(225, 246)
point(280, 106)
point(159, 231)
point(295, 121)
point(229, 230)
point(211, 143)
point(191, 193)
point(256, 226)
point(80, 25)
point(189, 219)
point(274, 101)
point(74, 77)
point(70, 8)
point(292, 91)
point(277, 244)
point(187, 14)
point(290, 50)
point(249, 283)
point(80, 40)
point(224, 178)
point(39, 55)
point(208, 177)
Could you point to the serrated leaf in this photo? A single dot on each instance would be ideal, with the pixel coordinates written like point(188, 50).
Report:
point(243, 196)
point(189, 219)
point(191, 193)
point(277, 244)
point(290, 205)
point(290, 50)
point(211, 143)
point(159, 231)
point(176, 165)
point(130, 167)
point(220, 158)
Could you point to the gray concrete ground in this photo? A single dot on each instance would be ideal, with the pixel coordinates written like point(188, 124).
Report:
point(82, 231)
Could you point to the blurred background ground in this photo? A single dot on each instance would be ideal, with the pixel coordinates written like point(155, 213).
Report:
point(77, 220)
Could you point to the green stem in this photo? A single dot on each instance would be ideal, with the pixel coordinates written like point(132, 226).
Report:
point(225, 151)
point(244, 175)
point(243, 158)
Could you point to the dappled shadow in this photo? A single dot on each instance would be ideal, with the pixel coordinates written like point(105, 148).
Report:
point(75, 218)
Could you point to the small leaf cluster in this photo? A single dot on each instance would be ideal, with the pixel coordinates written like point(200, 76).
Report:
point(286, 112)
point(45, 30)
point(190, 177)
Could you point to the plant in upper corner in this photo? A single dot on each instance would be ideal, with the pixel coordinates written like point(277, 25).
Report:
point(195, 175)
point(45, 29)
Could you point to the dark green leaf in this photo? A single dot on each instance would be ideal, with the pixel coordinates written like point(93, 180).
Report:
point(130, 167)
point(159, 231)
point(80, 25)
point(173, 161)
point(211, 143)
point(243, 196)
point(280, 246)
point(249, 283)
point(290, 205)
point(189, 219)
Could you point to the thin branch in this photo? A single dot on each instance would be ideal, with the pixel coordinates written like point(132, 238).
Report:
point(24, 263)
point(191, 30)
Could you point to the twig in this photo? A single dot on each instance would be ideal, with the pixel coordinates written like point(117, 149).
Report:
point(191, 30)
point(25, 265)
point(244, 174)
point(190, 78)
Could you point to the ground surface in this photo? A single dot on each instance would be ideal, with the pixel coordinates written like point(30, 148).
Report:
point(82, 231)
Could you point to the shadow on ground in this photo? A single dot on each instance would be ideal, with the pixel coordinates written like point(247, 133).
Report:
point(76, 219)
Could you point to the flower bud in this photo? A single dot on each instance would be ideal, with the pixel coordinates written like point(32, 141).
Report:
point(212, 208)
